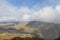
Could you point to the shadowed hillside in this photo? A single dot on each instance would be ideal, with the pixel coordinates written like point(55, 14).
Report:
point(32, 29)
point(44, 29)
point(27, 38)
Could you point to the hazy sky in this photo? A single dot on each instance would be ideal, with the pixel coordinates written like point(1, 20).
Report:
point(23, 10)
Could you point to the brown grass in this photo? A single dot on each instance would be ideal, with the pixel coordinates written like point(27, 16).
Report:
point(12, 35)
point(20, 26)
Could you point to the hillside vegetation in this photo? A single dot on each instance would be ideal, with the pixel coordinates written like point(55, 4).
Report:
point(32, 29)
point(12, 35)
point(20, 26)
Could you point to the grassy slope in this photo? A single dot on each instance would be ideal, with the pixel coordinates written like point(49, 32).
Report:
point(7, 35)
point(12, 35)
point(17, 27)
point(20, 26)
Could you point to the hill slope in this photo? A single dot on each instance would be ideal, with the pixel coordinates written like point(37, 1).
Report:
point(37, 28)
point(45, 30)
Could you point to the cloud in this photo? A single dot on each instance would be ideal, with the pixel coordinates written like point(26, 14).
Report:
point(26, 17)
point(10, 12)
point(45, 14)
point(5, 18)
point(24, 13)
point(58, 8)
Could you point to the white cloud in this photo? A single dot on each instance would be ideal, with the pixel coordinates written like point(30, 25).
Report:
point(58, 8)
point(5, 18)
point(9, 12)
point(26, 17)
point(24, 13)
point(45, 14)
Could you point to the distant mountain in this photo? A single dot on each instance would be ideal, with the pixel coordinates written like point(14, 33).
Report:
point(9, 23)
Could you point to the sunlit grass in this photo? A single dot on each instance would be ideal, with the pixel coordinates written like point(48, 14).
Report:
point(12, 35)
point(20, 26)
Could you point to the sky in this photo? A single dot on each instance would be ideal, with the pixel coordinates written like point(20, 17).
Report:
point(27, 10)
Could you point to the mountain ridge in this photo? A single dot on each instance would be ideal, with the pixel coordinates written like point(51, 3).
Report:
point(42, 29)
